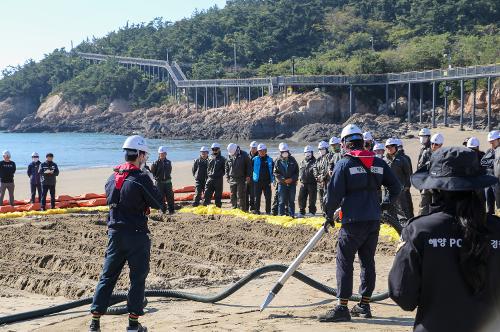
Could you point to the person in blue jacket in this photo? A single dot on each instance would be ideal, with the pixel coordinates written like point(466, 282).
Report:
point(34, 176)
point(130, 194)
point(262, 177)
point(354, 187)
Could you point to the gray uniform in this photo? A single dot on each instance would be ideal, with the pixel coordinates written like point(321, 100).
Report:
point(402, 169)
point(426, 196)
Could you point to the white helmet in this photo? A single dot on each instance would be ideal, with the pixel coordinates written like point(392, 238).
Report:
point(283, 147)
point(231, 148)
point(473, 142)
point(215, 146)
point(308, 148)
point(204, 149)
point(334, 140)
point(493, 135)
point(378, 146)
point(35, 154)
point(437, 139)
point(391, 141)
point(254, 145)
point(135, 142)
point(424, 132)
point(351, 130)
point(400, 142)
point(322, 145)
point(162, 149)
point(261, 147)
point(367, 136)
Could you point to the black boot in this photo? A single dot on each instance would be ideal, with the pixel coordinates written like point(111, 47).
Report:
point(338, 314)
point(361, 310)
point(94, 326)
point(137, 328)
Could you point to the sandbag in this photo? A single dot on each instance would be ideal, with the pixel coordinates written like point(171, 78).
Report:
point(187, 189)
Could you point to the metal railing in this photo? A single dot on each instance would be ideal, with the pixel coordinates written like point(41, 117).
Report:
point(181, 81)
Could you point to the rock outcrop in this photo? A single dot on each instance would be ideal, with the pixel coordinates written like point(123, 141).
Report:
point(13, 110)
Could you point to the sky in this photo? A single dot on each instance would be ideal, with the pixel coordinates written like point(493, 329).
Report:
point(31, 28)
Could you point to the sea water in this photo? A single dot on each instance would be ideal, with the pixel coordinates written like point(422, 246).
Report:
point(89, 150)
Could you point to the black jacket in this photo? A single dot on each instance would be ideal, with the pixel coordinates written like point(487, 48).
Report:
point(488, 161)
point(424, 156)
point(137, 195)
point(238, 167)
point(321, 168)
point(162, 170)
point(48, 179)
point(401, 168)
point(286, 170)
point(216, 167)
point(426, 275)
point(408, 159)
point(200, 168)
point(7, 170)
point(306, 171)
point(33, 172)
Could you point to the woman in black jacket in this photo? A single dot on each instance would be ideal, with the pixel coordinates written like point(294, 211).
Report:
point(448, 262)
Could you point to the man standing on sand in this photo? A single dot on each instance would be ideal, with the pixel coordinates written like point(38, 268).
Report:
point(7, 170)
point(199, 171)
point(238, 173)
point(488, 164)
point(250, 187)
point(34, 176)
point(162, 173)
point(321, 171)
point(286, 171)
point(424, 158)
point(130, 193)
point(215, 176)
point(48, 172)
point(308, 186)
point(262, 178)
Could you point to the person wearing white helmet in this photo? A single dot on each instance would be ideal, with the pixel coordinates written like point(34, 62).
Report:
point(322, 172)
point(7, 170)
point(406, 193)
point(355, 187)
point(215, 176)
point(424, 155)
point(162, 173)
point(488, 162)
point(379, 149)
point(35, 184)
point(238, 174)
point(335, 152)
point(130, 193)
point(250, 192)
point(369, 141)
point(437, 141)
point(308, 185)
point(286, 171)
point(199, 170)
point(262, 177)
point(402, 169)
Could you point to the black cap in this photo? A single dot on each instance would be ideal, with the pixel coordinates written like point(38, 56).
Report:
point(50, 154)
point(453, 169)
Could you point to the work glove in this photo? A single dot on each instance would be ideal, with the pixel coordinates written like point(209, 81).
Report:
point(384, 206)
point(329, 222)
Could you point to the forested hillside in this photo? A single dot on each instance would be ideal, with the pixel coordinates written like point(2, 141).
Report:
point(322, 36)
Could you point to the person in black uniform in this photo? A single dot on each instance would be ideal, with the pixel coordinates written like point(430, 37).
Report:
point(215, 176)
point(34, 176)
point(354, 187)
point(49, 171)
point(7, 170)
point(130, 193)
point(199, 170)
point(488, 164)
point(238, 173)
point(162, 173)
point(448, 262)
point(308, 184)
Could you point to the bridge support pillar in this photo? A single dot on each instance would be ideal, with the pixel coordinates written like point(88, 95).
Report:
point(387, 98)
point(227, 96)
point(206, 98)
point(473, 125)
point(196, 99)
point(215, 94)
point(187, 97)
point(238, 96)
point(408, 103)
point(461, 104)
point(351, 100)
point(249, 94)
point(434, 104)
point(489, 104)
point(420, 102)
point(446, 104)
point(395, 99)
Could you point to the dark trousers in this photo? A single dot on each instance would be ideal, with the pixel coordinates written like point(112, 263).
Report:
point(490, 199)
point(199, 190)
point(308, 191)
point(250, 196)
point(406, 203)
point(214, 187)
point(286, 197)
point(238, 188)
point(34, 189)
point(276, 201)
point(425, 202)
point(46, 188)
point(135, 250)
point(167, 194)
point(259, 188)
point(321, 194)
point(360, 237)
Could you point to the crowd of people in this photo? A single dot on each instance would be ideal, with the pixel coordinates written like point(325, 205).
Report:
point(42, 179)
point(450, 251)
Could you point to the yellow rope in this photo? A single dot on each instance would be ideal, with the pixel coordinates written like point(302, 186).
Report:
point(10, 215)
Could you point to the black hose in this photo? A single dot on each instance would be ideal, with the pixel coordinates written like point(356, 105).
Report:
point(122, 296)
